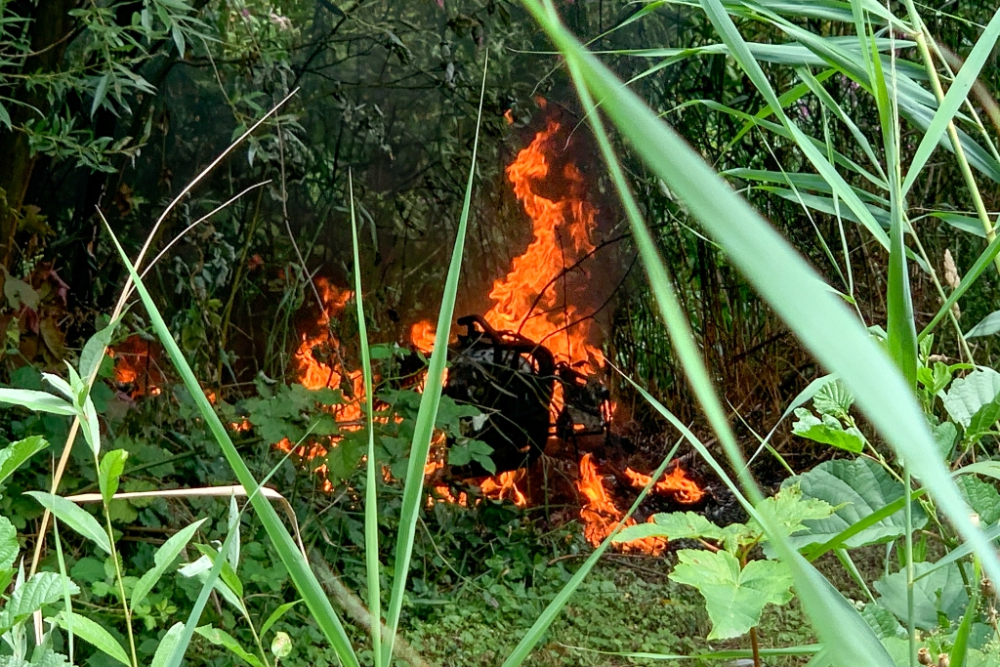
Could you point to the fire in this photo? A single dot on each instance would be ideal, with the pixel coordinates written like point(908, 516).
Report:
point(137, 369)
point(318, 365)
point(676, 483)
point(422, 336)
point(529, 299)
point(601, 516)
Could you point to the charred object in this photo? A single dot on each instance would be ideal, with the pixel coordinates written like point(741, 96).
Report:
point(512, 380)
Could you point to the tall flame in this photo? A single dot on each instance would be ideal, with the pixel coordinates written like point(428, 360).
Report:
point(529, 299)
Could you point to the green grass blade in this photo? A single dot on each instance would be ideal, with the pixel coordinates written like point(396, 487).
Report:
point(371, 490)
point(953, 100)
point(182, 642)
point(825, 326)
point(429, 401)
point(293, 560)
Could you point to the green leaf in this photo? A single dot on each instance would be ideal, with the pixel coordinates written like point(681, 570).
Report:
point(833, 399)
point(16, 453)
point(94, 634)
point(982, 498)
point(5, 117)
point(672, 526)
point(953, 100)
point(857, 489)
point(100, 93)
point(41, 589)
point(226, 640)
point(941, 591)
point(789, 509)
point(734, 598)
point(167, 645)
point(276, 616)
point(95, 349)
point(110, 471)
point(945, 435)
point(75, 517)
point(163, 559)
point(228, 574)
point(987, 326)
point(828, 431)
point(968, 395)
point(36, 400)
point(473, 450)
point(883, 622)
point(9, 547)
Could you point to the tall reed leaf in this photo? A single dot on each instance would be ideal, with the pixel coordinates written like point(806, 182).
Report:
point(953, 100)
point(294, 561)
point(371, 490)
point(429, 401)
point(795, 291)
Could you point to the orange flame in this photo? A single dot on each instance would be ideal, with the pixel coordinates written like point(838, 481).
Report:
point(528, 298)
point(676, 483)
point(601, 516)
point(422, 336)
point(318, 365)
point(137, 366)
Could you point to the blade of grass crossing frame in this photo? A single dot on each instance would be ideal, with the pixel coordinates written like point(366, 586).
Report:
point(901, 330)
point(795, 291)
point(542, 623)
point(427, 413)
point(294, 561)
point(953, 100)
point(371, 490)
point(902, 340)
point(825, 605)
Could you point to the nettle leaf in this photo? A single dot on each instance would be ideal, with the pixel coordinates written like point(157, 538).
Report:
point(15, 454)
point(828, 431)
point(343, 457)
point(110, 471)
point(41, 589)
point(163, 559)
point(856, 488)
point(943, 590)
point(734, 598)
point(833, 399)
point(945, 434)
point(981, 496)
point(9, 547)
point(970, 395)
